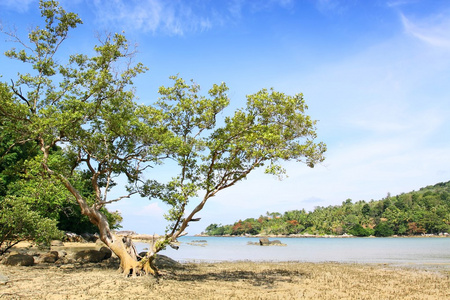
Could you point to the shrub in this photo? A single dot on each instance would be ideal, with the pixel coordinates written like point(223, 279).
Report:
point(383, 229)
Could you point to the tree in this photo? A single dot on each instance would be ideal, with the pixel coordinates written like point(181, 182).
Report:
point(365, 209)
point(88, 106)
point(19, 223)
point(383, 229)
point(358, 230)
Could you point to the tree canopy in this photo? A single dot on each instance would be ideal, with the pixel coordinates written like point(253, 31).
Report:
point(85, 107)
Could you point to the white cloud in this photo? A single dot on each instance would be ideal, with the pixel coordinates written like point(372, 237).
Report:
point(331, 6)
point(400, 3)
point(172, 17)
point(17, 5)
point(176, 17)
point(434, 31)
point(151, 210)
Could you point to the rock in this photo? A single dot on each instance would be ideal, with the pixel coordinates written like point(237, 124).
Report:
point(73, 237)
point(163, 261)
point(196, 243)
point(93, 256)
point(56, 243)
point(89, 237)
point(3, 279)
point(64, 261)
point(19, 260)
point(264, 242)
point(125, 233)
point(50, 257)
point(62, 254)
point(106, 251)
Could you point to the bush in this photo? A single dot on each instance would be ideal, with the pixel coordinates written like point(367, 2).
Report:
point(358, 230)
point(383, 229)
point(19, 223)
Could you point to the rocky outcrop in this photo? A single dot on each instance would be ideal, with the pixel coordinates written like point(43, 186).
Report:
point(106, 251)
point(73, 238)
point(49, 258)
point(19, 260)
point(266, 242)
point(162, 262)
point(91, 255)
point(125, 233)
point(89, 237)
point(201, 243)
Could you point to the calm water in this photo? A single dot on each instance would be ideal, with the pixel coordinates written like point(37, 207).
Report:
point(396, 251)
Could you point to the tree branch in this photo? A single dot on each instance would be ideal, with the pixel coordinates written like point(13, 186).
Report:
point(100, 204)
point(19, 93)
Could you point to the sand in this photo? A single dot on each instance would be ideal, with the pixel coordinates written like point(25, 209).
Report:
point(229, 280)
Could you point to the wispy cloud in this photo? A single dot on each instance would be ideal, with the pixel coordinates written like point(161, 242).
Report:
point(397, 3)
point(171, 17)
point(330, 6)
point(177, 17)
point(434, 31)
point(151, 210)
point(17, 5)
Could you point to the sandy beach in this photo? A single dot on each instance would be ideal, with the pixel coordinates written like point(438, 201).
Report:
point(228, 280)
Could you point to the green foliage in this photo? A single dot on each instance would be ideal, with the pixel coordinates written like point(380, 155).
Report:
point(423, 212)
point(273, 127)
point(23, 176)
point(84, 103)
point(358, 230)
point(19, 223)
point(383, 229)
point(87, 104)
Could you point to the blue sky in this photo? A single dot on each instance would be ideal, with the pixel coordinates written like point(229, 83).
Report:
point(376, 74)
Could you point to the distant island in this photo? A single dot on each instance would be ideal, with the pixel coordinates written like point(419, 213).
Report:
point(423, 212)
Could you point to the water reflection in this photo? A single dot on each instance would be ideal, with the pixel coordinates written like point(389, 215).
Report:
point(398, 251)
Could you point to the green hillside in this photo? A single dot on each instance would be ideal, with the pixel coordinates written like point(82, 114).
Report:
point(426, 211)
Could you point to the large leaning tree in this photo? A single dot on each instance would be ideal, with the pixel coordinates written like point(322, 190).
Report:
point(86, 105)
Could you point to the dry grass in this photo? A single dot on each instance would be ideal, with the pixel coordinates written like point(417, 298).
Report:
point(239, 280)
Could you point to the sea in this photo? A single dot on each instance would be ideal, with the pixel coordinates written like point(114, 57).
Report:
point(421, 252)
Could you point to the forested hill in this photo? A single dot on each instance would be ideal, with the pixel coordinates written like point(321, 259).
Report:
point(426, 211)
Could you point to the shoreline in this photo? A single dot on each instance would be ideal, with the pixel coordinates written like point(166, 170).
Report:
point(219, 280)
point(302, 236)
point(235, 280)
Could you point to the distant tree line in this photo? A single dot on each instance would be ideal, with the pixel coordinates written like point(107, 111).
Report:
point(426, 211)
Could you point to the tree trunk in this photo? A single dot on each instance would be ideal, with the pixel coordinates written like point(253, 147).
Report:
point(130, 265)
point(122, 247)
